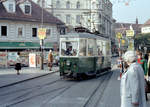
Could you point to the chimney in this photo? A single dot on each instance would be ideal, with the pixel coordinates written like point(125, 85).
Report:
point(137, 21)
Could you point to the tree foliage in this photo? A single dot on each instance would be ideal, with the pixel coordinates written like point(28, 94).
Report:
point(142, 40)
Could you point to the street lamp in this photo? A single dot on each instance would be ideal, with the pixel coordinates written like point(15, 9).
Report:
point(42, 40)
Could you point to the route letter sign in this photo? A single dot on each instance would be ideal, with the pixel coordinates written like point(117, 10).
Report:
point(119, 35)
point(129, 33)
point(42, 33)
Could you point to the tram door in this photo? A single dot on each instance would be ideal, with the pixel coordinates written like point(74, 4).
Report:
point(100, 56)
point(92, 53)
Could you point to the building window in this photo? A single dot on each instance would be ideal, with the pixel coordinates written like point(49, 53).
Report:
point(3, 30)
point(58, 4)
point(93, 5)
point(20, 31)
point(68, 19)
point(27, 9)
point(58, 16)
point(78, 5)
point(78, 18)
point(48, 32)
point(68, 5)
point(10, 7)
point(62, 31)
point(34, 32)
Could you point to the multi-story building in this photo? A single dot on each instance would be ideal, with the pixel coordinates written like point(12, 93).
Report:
point(122, 28)
point(145, 28)
point(96, 15)
point(19, 23)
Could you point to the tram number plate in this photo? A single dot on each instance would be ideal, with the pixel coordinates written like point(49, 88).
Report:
point(67, 71)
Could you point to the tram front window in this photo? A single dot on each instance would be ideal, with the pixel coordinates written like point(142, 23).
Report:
point(69, 48)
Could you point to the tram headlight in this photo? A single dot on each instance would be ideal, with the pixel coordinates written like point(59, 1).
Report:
point(75, 65)
point(68, 63)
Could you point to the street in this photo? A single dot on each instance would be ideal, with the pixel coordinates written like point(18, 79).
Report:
point(51, 91)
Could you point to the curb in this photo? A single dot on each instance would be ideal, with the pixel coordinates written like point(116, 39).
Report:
point(11, 84)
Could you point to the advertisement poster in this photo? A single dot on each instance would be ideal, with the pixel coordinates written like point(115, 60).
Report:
point(32, 60)
point(12, 57)
point(24, 56)
point(3, 59)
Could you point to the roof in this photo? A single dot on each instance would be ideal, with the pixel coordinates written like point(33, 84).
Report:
point(147, 23)
point(122, 27)
point(82, 35)
point(34, 17)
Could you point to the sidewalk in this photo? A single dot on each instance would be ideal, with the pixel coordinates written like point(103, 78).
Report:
point(9, 76)
point(111, 96)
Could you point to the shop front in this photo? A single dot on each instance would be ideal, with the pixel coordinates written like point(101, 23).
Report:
point(8, 52)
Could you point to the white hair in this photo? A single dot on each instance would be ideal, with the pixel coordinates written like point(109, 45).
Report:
point(50, 51)
point(130, 56)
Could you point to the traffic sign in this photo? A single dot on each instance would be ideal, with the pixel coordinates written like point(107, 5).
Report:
point(119, 35)
point(129, 33)
point(123, 41)
point(42, 33)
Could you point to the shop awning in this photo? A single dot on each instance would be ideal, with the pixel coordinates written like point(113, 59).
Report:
point(23, 45)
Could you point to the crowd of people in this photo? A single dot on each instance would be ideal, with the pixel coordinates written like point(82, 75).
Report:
point(135, 78)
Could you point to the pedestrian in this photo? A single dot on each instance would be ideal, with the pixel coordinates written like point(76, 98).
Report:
point(18, 63)
point(132, 87)
point(121, 67)
point(148, 64)
point(142, 60)
point(139, 59)
point(50, 60)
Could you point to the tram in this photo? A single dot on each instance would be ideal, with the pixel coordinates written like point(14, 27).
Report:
point(84, 54)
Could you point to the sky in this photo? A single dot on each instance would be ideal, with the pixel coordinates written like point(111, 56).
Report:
point(128, 13)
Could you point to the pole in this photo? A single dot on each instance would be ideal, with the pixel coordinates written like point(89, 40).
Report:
point(42, 55)
point(42, 41)
point(119, 47)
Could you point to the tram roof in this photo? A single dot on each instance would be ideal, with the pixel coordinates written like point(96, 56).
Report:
point(82, 35)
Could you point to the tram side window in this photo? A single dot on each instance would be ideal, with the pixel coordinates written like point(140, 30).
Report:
point(107, 48)
point(82, 51)
point(99, 48)
point(69, 48)
point(91, 47)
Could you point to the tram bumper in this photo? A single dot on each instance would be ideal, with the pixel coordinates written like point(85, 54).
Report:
point(68, 67)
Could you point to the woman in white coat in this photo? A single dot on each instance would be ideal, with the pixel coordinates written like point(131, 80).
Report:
point(132, 83)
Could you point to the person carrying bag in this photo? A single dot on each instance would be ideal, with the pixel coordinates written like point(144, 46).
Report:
point(18, 64)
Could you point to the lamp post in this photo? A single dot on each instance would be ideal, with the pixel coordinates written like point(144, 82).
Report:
point(42, 40)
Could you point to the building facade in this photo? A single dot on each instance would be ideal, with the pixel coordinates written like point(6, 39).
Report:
point(19, 23)
point(145, 28)
point(96, 15)
point(122, 28)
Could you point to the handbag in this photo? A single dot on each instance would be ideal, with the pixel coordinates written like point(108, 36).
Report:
point(147, 87)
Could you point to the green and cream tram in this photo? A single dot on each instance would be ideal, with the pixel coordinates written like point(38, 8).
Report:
point(84, 54)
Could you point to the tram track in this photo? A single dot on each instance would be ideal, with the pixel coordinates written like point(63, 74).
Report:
point(63, 89)
point(30, 88)
point(97, 94)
